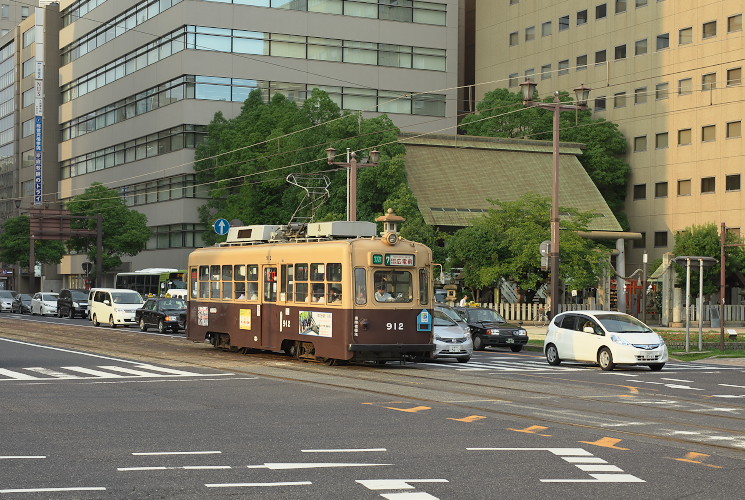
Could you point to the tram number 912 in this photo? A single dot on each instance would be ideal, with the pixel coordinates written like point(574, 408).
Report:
point(394, 326)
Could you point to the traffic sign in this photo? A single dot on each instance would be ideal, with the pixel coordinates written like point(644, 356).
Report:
point(222, 226)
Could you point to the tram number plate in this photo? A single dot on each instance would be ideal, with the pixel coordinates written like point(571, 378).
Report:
point(454, 348)
point(510, 341)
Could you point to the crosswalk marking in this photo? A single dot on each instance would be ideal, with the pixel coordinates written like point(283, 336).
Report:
point(51, 373)
point(36, 373)
point(524, 365)
point(16, 375)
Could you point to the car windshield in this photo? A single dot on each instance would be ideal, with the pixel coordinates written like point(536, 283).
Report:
point(49, 296)
point(622, 323)
point(4, 294)
point(24, 297)
point(484, 315)
point(441, 319)
point(79, 295)
point(451, 314)
point(173, 304)
point(126, 298)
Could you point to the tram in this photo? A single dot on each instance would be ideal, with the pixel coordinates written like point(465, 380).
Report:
point(323, 291)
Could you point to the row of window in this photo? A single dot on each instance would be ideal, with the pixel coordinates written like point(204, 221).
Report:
point(412, 11)
point(160, 143)
point(257, 43)
point(237, 90)
point(176, 236)
point(708, 185)
point(169, 188)
point(685, 136)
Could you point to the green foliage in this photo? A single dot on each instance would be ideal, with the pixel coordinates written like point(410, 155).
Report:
point(125, 231)
point(502, 114)
point(505, 244)
point(705, 241)
point(15, 244)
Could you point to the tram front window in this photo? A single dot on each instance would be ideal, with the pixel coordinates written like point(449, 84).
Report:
point(393, 286)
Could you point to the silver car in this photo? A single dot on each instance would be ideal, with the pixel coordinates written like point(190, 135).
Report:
point(6, 300)
point(450, 339)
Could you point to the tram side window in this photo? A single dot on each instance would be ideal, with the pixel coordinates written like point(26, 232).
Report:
point(215, 282)
point(318, 294)
point(360, 286)
point(253, 282)
point(423, 286)
point(317, 272)
point(204, 282)
point(227, 282)
point(301, 282)
point(393, 286)
point(239, 276)
point(287, 291)
point(334, 287)
point(194, 282)
point(270, 284)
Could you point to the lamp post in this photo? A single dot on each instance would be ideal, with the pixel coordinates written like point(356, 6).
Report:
point(581, 95)
point(352, 174)
point(644, 288)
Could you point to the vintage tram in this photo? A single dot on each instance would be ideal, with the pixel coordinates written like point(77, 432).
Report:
point(326, 291)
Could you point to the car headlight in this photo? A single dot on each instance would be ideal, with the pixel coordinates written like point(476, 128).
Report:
point(173, 318)
point(75, 304)
point(662, 341)
point(522, 332)
point(492, 331)
point(619, 340)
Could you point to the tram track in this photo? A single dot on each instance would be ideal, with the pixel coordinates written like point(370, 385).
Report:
point(466, 392)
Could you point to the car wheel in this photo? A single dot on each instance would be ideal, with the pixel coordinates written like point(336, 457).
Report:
point(656, 367)
point(464, 359)
point(95, 321)
point(143, 326)
point(552, 355)
point(516, 348)
point(605, 359)
point(162, 327)
point(478, 344)
point(111, 321)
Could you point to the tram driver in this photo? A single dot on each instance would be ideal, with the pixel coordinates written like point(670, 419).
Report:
point(381, 295)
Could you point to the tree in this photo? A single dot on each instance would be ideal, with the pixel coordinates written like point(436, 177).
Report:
point(16, 240)
point(502, 114)
point(125, 231)
point(705, 241)
point(505, 242)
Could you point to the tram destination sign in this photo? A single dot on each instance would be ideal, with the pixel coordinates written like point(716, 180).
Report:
point(393, 259)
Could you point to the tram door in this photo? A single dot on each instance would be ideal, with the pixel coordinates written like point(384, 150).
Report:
point(269, 310)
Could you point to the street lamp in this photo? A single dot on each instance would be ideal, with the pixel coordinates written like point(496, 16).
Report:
point(351, 165)
point(581, 95)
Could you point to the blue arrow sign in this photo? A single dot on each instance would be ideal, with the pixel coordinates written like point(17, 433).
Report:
point(222, 226)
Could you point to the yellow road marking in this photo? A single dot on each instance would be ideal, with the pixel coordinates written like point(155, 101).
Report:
point(692, 456)
point(533, 429)
point(409, 410)
point(606, 442)
point(472, 418)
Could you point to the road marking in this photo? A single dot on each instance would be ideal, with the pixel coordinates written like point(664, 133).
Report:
point(598, 468)
point(730, 385)
point(676, 380)
point(414, 409)
point(606, 442)
point(533, 429)
point(251, 485)
point(150, 453)
point(16, 375)
point(731, 396)
point(90, 371)
point(585, 460)
point(321, 465)
point(182, 467)
point(395, 484)
point(345, 450)
point(417, 495)
point(48, 490)
point(472, 418)
point(18, 457)
point(600, 478)
point(695, 458)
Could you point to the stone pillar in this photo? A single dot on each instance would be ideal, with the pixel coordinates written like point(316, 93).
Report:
point(621, 270)
point(677, 307)
point(668, 284)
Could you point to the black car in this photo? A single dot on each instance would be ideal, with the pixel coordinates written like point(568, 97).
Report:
point(21, 303)
point(488, 328)
point(161, 312)
point(72, 302)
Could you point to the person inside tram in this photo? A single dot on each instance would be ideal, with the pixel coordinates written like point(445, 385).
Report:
point(334, 294)
point(318, 295)
point(381, 295)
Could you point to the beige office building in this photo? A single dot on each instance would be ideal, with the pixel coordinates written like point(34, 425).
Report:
point(141, 79)
point(668, 72)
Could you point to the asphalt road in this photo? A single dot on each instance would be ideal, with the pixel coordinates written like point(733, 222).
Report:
point(99, 413)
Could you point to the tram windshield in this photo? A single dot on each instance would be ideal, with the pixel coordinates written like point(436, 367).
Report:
point(393, 286)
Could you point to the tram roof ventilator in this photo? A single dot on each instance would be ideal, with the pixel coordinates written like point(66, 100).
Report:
point(314, 231)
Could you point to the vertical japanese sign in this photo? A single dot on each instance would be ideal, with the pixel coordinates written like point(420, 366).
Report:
point(38, 105)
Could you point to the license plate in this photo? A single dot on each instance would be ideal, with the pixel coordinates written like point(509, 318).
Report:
point(510, 341)
point(454, 348)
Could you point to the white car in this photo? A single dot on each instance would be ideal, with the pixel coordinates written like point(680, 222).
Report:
point(114, 306)
point(6, 300)
point(451, 341)
point(607, 338)
point(44, 303)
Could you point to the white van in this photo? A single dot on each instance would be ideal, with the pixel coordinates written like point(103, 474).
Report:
point(177, 293)
point(115, 306)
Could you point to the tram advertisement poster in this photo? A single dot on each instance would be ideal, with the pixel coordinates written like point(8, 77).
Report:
point(203, 316)
point(244, 321)
point(315, 323)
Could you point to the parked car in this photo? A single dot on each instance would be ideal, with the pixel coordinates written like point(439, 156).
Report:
point(488, 328)
point(607, 338)
point(450, 339)
point(114, 305)
point(44, 303)
point(6, 300)
point(161, 312)
point(72, 302)
point(21, 303)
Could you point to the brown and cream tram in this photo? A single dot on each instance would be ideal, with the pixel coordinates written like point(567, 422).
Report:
point(335, 292)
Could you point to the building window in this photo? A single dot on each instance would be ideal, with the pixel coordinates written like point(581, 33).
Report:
point(663, 41)
point(734, 77)
point(564, 67)
point(684, 187)
point(4, 11)
point(640, 47)
point(546, 28)
point(660, 238)
point(709, 81)
point(513, 38)
point(530, 33)
point(619, 100)
point(734, 23)
point(563, 23)
point(601, 11)
point(600, 104)
point(708, 184)
point(685, 86)
point(600, 57)
point(640, 95)
point(708, 133)
point(27, 127)
point(24, 12)
point(29, 66)
point(513, 80)
point(514, 2)
point(661, 91)
point(581, 62)
point(545, 72)
point(684, 137)
point(27, 98)
point(660, 190)
point(530, 74)
point(620, 52)
point(734, 130)
point(29, 37)
point(582, 17)
point(642, 242)
point(640, 144)
point(640, 191)
point(685, 36)
point(620, 6)
point(732, 182)
point(660, 140)
point(641, 3)
point(710, 30)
